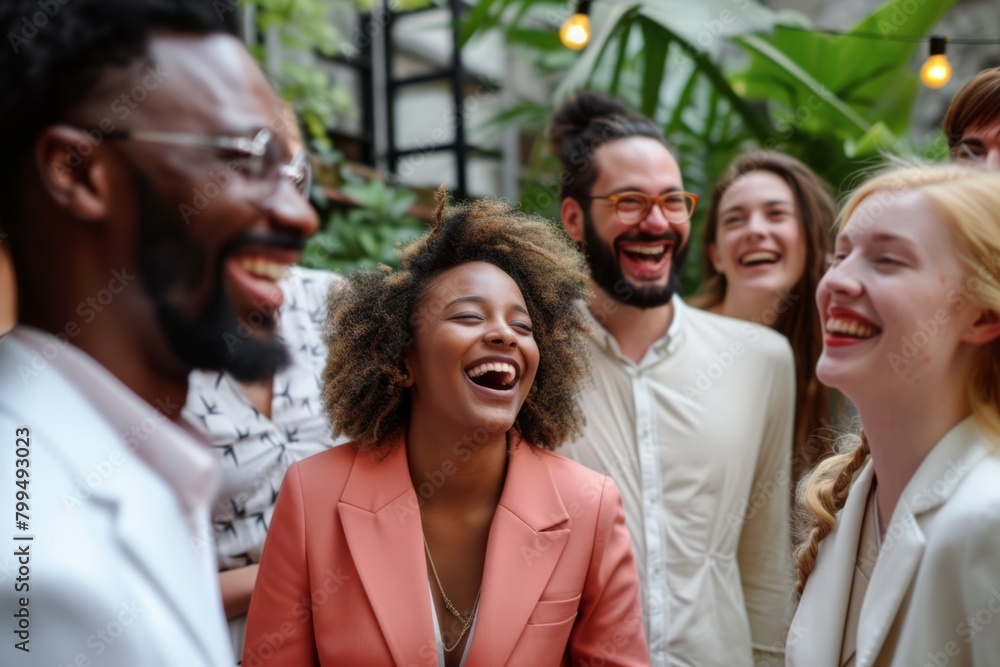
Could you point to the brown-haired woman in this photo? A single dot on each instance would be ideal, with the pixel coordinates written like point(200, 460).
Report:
point(448, 532)
point(900, 565)
point(765, 245)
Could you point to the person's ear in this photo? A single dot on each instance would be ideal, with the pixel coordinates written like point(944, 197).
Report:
point(572, 218)
point(985, 329)
point(713, 256)
point(407, 375)
point(72, 173)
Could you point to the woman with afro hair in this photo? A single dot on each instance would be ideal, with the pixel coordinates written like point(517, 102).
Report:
point(448, 532)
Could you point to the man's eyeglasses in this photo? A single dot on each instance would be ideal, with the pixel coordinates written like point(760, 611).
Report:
point(258, 161)
point(633, 207)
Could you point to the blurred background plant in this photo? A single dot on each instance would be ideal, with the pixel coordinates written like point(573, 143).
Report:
point(367, 232)
point(363, 218)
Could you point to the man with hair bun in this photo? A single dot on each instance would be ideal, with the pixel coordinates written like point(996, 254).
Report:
point(691, 413)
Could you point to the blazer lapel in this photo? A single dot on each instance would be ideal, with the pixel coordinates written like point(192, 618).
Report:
point(526, 540)
point(903, 547)
point(819, 622)
point(381, 518)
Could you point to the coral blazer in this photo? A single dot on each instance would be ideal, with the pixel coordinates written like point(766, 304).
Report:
point(343, 579)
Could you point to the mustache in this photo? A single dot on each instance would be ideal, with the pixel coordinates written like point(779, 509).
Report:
point(283, 241)
point(644, 237)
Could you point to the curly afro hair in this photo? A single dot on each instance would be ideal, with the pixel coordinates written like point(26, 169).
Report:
point(372, 323)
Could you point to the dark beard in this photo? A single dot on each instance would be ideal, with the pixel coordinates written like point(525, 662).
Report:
point(214, 339)
point(607, 272)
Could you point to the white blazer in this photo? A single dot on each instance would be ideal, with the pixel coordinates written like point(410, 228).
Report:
point(113, 576)
point(934, 595)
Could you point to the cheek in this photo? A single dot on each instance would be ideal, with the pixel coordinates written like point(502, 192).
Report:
point(795, 247)
point(684, 232)
point(822, 296)
point(727, 246)
point(530, 351)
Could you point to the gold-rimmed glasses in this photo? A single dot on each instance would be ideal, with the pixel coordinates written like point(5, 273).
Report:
point(633, 207)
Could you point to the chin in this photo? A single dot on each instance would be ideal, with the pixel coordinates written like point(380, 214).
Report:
point(770, 284)
point(836, 375)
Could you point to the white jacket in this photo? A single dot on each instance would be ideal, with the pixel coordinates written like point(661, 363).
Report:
point(934, 595)
point(118, 570)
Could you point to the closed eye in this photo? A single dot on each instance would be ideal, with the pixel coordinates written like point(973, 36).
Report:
point(523, 326)
point(470, 317)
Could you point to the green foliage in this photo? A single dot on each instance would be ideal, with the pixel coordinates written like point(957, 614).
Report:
point(304, 27)
point(846, 97)
point(366, 235)
point(351, 236)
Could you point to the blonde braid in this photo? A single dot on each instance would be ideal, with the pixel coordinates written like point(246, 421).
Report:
point(823, 494)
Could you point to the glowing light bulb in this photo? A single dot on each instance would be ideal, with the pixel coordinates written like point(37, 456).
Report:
point(936, 71)
point(575, 32)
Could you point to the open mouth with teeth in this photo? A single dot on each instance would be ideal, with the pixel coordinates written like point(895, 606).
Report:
point(845, 328)
point(760, 258)
point(263, 269)
point(254, 278)
point(495, 375)
point(646, 258)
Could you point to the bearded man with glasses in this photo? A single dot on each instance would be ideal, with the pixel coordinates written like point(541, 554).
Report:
point(691, 412)
point(148, 240)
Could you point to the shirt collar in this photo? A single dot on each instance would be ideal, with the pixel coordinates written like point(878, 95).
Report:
point(187, 465)
point(660, 349)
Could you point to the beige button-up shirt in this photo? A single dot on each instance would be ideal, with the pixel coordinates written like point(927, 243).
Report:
point(698, 437)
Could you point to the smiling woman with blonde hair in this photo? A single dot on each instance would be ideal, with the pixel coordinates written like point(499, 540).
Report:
point(904, 541)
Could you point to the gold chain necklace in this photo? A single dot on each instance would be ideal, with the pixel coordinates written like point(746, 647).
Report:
point(467, 620)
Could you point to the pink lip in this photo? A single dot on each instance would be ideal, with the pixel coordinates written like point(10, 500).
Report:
point(751, 251)
point(831, 340)
point(841, 313)
point(256, 290)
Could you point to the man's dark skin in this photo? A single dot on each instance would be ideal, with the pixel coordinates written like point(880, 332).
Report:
point(82, 222)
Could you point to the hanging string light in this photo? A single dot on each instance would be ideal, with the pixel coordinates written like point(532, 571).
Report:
point(575, 31)
point(936, 70)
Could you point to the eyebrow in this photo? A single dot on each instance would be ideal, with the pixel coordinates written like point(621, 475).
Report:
point(480, 300)
point(888, 237)
point(635, 188)
point(772, 202)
